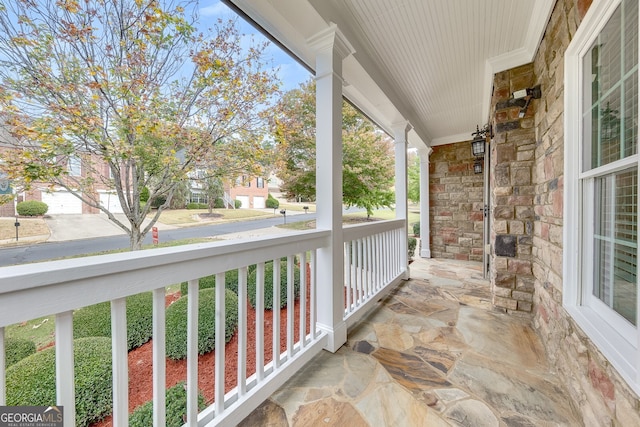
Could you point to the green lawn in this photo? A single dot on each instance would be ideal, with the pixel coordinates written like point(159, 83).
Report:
point(198, 216)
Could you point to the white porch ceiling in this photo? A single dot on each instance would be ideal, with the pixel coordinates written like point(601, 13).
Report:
point(429, 62)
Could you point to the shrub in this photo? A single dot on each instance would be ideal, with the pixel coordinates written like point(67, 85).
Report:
point(176, 404)
point(177, 323)
point(158, 201)
point(268, 285)
point(412, 242)
point(416, 228)
point(218, 203)
point(144, 194)
point(95, 320)
point(197, 206)
point(17, 349)
point(32, 208)
point(32, 381)
point(208, 282)
point(272, 202)
point(237, 204)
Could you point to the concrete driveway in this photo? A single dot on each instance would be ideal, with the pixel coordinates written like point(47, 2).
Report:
point(79, 226)
point(84, 226)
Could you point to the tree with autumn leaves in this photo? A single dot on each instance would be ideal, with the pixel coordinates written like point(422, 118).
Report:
point(368, 162)
point(132, 83)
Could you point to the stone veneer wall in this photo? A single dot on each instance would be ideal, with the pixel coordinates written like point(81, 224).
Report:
point(512, 193)
point(455, 203)
point(595, 387)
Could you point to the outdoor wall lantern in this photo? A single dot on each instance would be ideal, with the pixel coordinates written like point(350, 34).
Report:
point(478, 145)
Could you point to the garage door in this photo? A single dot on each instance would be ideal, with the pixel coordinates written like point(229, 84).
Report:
point(244, 200)
point(111, 202)
point(258, 202)
point(62, 202)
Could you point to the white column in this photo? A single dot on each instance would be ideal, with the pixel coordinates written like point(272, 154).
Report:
point(400, 131)
point(331, 48)
point(425, 229)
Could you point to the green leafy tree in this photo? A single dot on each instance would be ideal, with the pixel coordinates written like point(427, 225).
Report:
point(368, 163)
point(214, 189)
point(413, 177)
point(130, 83)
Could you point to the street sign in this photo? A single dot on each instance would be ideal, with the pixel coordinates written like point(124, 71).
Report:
point(154, 235)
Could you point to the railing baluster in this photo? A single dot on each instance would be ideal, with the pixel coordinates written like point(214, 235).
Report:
point(354, 278)
point(159, 357)
point(370, 290)
point(219, 377)
point(65, 389)
point(260, 321)
point(242, 331)
point(312, 279)
point(192, 352)
point(347, 276)
point(3, 363)
point(276, 313)
point(359, 278)
point(303, 299)
point(119, 351)
point(290, 305)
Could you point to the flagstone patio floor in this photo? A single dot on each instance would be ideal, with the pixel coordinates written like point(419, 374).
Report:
point(433, 353)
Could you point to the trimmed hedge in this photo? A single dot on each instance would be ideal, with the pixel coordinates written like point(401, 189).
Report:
point(268, 285)
point(95, 320)
point(32, 381)
point(32, 208)
point(17, 349)
point(197, 206)
point(218, 203)
point(411, 243)
point(230, 281)
point(209, 282)
point(237, 204)
point(177, 323)
point(176, 404)
point(272, 202)
point(416, 228)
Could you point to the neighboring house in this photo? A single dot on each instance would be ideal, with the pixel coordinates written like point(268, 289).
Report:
point(62, 201)
point(251, 192)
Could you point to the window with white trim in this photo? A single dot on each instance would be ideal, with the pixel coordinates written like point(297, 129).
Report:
point(601, 187)
point(74, 166)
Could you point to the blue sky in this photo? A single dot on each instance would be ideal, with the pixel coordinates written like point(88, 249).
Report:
point(290, 72)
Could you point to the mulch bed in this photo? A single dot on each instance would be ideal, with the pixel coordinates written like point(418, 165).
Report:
point(141, 366)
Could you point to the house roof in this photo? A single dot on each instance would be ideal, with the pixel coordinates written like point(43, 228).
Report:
point(429, 62)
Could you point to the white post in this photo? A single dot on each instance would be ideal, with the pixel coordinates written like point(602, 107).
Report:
point(425, 230)
point(400, 131)
point(65, 361)
point(331, 48)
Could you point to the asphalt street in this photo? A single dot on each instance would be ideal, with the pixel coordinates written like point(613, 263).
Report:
point(61, 249)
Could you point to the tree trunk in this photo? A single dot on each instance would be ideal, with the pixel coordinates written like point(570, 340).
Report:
point(135, 237)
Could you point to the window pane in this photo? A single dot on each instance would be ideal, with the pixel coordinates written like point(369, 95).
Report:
point(615, 237)
point(609, 55)
point(609, 130)
point(74, 166)
point(630, 35)
point(610, 108)
point(629, 118)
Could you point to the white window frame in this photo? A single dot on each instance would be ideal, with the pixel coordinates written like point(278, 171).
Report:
point(74, 164)
point(623, 353)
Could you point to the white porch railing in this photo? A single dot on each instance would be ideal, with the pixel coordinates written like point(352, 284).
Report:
point(372, 265)
point(31, 291)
